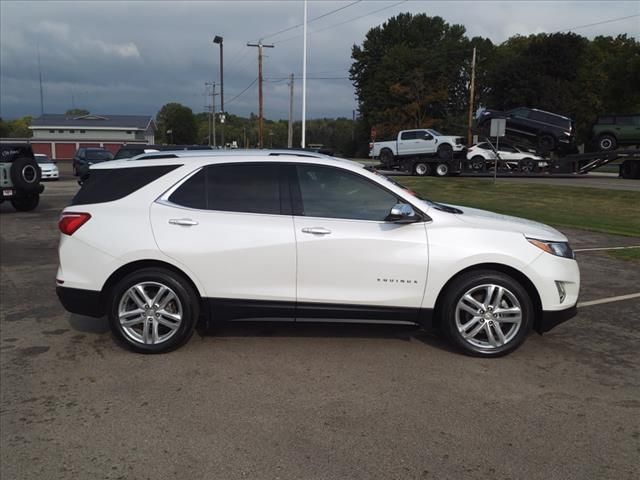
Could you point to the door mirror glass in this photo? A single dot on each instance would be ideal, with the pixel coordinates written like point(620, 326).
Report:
point(402, 213)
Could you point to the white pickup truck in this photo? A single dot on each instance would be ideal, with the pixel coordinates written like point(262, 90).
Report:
point(426, 144)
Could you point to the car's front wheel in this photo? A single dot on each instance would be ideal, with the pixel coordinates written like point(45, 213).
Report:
point(153, 310)
point(486, 313)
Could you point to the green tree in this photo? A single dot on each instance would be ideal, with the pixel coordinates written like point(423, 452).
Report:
point(77, 112)
point(19, 128)
point(181, 123)
point(4, 129)
point(412, 72)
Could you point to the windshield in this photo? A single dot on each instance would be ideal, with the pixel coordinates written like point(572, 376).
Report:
point(431, 203)
point(99, 155)
point(42, 159)
point(435, 133)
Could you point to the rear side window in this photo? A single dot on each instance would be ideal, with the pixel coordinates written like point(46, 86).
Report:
point(108, 185)
point(246, 187)
point(408, 135)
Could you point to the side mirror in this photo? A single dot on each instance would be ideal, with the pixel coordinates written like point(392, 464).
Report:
point(402, 213)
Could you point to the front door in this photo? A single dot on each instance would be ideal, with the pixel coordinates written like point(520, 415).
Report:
point(228, 225)
point(351, 263)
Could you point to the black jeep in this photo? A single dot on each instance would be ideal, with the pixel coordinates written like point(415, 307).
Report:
point(545, 130)
point(19, 176)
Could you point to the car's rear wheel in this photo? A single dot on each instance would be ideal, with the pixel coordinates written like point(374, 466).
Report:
point(153, 310)
point(26, 204)
point(386, 156)
point(528, 165)
point(486, 313)
point(445, 151)
point(25, 174)
point(477, 163)
point(546, 143)
point(421, 169)
point(607, 142)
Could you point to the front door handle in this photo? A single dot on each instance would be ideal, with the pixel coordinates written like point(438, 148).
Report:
point(185, 222)
point(316, 230)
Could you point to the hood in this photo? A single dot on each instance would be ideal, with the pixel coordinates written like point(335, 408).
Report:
point(496, 221)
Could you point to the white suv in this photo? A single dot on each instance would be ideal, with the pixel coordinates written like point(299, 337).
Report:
point(157, 243)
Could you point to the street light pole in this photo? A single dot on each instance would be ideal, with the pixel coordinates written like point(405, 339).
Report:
point(218, 39)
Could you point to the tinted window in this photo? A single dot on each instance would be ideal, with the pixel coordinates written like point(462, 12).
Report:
point(408, 135)
point(335, 193)
point(246, 187)
point(551, 119)
point(128, 152)
point(192, 192)
point(42, 159)
point(626, 120)
point(521, 112)
point(99, 155)
point(605, 120)
point(483, 146)
point(107, 185)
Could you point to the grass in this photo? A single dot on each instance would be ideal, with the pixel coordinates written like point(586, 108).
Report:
point(630, 254)
point(598, 210)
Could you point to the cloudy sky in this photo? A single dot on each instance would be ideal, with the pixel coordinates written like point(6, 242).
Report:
point(133, 57)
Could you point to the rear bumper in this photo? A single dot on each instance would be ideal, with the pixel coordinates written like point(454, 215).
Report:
point(82, 302)
point(9, 193)
point(551, 319)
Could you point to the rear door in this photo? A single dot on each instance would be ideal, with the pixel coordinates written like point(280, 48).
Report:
point(407, 143)
point(352, 264)
point(231, 225)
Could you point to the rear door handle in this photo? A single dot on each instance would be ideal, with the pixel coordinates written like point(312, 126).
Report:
point(185, 222)
point(316, 230)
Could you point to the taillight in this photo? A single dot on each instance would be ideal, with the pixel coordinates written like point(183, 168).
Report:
point(71, 221)
point(370, 146)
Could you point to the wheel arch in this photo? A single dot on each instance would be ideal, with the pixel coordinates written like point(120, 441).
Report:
point(131, 267)
point(517, 275)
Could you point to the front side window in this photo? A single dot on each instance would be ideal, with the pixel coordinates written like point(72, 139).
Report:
point(624, 120)
point(335, 193)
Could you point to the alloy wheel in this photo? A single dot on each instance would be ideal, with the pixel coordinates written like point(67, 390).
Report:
point(150, 313)
point(488, 316)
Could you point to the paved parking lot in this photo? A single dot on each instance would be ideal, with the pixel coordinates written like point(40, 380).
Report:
point(309, 402)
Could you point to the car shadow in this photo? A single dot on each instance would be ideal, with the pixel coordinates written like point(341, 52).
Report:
point(85, 324)
point(404, 333)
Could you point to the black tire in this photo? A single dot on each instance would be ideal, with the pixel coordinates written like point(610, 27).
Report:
point(630, 169)
point(452, 319)
point(607, 143)
point(25, 174)
point(478, 163)
point(441, 170)
point(187, 305)
point(421, 169)
point(445, 151)
point(546, 143)
point(26, 204)
point(386, 156)
point(528, 165)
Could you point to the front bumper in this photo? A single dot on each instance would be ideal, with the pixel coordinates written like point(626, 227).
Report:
point(552, 318)
point(82, 302)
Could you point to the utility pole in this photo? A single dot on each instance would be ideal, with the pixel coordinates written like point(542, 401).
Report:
point(290, 132)
point(471, 97)
point(40, 74)
point(218, 39)
point(260, 100)
point(212, 112)
point(303, 143)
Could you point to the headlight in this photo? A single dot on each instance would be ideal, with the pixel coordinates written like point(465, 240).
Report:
point(559, 249)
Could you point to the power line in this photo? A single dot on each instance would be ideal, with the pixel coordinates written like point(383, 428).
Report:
point(598, 23)
point(243, 91)
point(346, 21)
point(312, 20)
